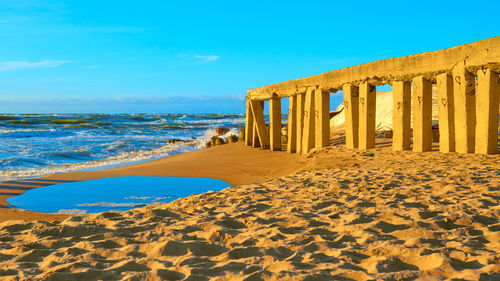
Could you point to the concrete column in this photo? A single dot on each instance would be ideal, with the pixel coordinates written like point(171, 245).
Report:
point(322, 117)
point(401, 115)
point(292, 125)
point(275, 123)
point(249, 125)
point(445, 113)
point(488, 92)
point(465, 109)
point(300, 120)
point(258, 113)
point(422, 114)
point(367, 111)
point(309, 118)
point(351, 111)
point(255, 141)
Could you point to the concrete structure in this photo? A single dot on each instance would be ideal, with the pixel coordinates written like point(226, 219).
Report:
point(401, 114)
point(468, 113)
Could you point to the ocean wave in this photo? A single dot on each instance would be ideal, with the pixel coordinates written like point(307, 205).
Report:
point(79, 154)
point(52, 146)
point(33, 133)
point(21, 122)
point(116, 160)
point(68, 121)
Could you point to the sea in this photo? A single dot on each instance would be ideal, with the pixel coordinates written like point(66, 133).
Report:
point(34, 145)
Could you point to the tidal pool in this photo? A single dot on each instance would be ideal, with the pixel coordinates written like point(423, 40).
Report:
point(115, 193)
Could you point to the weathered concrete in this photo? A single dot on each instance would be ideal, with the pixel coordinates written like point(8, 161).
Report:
point(275, 123)
point(309, 120)
point(258, 113)
point(487, 98)
point(422, 114)
point(452, 69)
point(367, 103)
point(351, 111)
point(401, 116)
point(465, 108)
point(292, 125)
point(446, 107)
point(300, 121)
point(322, 117)
point(249, 127)
point(429, 64)
point(255, 141)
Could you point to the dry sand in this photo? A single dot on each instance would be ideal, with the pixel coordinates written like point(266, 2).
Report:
point(338, 216)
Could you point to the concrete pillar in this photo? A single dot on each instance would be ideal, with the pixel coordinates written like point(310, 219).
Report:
point(292, 125)
point(275, 123)
point(300, 120)
point(445, 113)
point(351, 111)
point(367, 111)
point(249, 125)
point(322, 117)
point(422, 114)
point(465, 108)
point(260, 124)
point(488, 91)
point(401, 115)
point(255, 141)
point(309, 118)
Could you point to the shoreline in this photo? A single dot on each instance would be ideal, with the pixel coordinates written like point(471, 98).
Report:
point(235, 164)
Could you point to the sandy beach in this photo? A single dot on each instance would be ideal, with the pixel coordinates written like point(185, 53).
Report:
point(330, 215)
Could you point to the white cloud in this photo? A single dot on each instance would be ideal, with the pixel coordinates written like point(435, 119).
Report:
point(205, 59)
point(16, 65)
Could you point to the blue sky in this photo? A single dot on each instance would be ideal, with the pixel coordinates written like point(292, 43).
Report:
point(202, 56)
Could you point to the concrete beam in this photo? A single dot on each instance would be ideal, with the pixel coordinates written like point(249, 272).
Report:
point(292, 125)
point(429, 64)
point(351, 111)
point(249, 127)
point(275, 123)
point(260, 124)
point(367, 111)
point(422, 114)
point(309, 119)
point(401, 116)
point(322, 117)
point(487, 98)
point(465, 109)
point(446, 116)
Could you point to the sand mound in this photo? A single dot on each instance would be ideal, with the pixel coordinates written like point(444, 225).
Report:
point(343, 217)
point(384, 112)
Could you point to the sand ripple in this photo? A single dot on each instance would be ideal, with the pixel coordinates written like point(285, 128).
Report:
point(396, 216)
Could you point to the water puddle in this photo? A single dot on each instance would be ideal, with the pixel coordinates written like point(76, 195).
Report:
point(109, 194)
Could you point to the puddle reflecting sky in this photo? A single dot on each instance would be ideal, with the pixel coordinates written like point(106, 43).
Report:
point(116, 193)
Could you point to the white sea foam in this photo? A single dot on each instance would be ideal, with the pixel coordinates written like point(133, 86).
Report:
point(121, 159)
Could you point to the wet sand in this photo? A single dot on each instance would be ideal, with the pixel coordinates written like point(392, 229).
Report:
point(330, 215)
